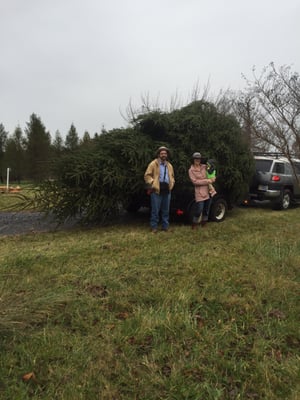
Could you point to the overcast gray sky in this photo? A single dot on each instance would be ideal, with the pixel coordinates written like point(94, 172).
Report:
point(82, 62)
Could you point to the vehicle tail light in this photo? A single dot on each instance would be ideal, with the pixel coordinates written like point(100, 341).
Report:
point(179, 212)
point(275, 178)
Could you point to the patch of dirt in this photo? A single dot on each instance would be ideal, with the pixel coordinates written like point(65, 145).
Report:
point(18, 223)
point(25, 222)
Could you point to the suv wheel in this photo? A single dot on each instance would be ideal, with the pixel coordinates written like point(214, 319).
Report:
point(285, 200)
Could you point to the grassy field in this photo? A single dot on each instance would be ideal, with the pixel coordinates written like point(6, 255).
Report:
point(119, 313)
point(11, 201)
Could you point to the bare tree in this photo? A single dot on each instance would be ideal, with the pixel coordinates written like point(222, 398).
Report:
point(150, 105)
point(270, 109)
point(244, 107)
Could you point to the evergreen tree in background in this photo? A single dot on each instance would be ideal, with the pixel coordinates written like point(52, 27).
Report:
point(3, 139)
point(86, 140)
point(57, 145)
point(15, 155)
point(72, 139)
point(38, 149)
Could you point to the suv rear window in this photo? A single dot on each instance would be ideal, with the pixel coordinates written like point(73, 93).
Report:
point(297, 167)
point(278, 168)
point(263, 165)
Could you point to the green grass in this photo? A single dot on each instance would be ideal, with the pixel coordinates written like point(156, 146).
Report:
point(119, 313)
point(17, 201)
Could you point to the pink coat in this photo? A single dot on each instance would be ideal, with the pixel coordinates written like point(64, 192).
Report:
point(200, 182)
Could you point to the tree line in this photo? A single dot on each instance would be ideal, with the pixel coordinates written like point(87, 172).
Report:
point(29, 154)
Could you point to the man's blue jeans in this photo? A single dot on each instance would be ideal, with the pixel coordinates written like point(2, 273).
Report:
point(202, 207)
point(160, 203)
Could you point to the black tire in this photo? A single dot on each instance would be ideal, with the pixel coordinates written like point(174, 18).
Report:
point(285, 200)
point(218, 210)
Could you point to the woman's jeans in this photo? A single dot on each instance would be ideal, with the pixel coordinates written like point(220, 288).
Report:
point(202, 207)
point(160, 203)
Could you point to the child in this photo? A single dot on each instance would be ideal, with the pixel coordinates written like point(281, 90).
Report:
point(211, 173)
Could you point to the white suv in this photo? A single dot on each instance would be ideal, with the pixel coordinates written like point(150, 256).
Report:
point(275, 180)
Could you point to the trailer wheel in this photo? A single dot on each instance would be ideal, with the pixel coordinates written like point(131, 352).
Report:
point(218, 210)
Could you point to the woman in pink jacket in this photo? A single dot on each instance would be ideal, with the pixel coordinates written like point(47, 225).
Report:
point(197, 174)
